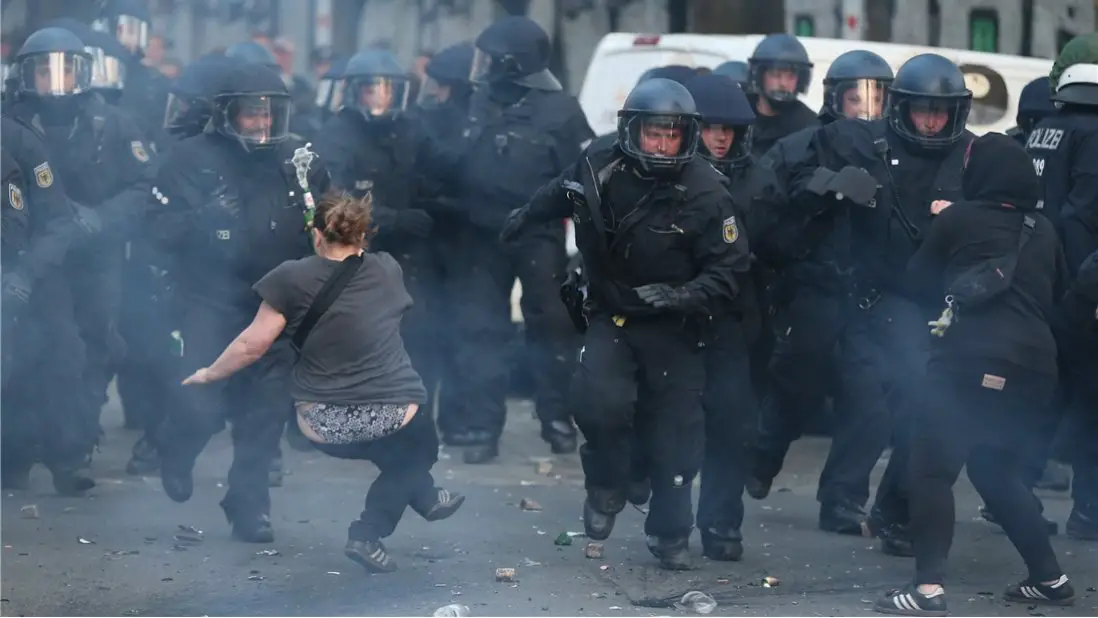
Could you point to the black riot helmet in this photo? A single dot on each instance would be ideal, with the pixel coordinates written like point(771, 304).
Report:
point(674, 72)
point(514, 50)
point(856, 85)
point(1078, 85)
point(329, 89)
point(191, 95)
point(375, 85)
point(928, 102)
point(726, 119)
point(254, 53)
point(779, 69)
point(658, 126)
point(107, 53)
point(128, 22)
point(53, 65)
point(447, 75)
point(737, 70)
point(253, 107)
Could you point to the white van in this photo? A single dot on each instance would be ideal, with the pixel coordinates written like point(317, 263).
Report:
point(996, 80)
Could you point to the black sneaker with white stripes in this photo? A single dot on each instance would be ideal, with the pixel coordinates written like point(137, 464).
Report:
point(908, 601)
point(1059, 592)
point(370, 554)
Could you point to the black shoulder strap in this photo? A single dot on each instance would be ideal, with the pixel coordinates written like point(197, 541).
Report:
point(327, 295)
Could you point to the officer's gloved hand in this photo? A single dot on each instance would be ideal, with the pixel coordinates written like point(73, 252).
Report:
point(89, 221)
point(514, 224)
point(1086, 281)
point(854, 184)
point(415, 222)
point(663, 296)
point(16, 290)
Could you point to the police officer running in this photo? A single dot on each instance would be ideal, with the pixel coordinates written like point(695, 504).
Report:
point(522, 131)
point(233, 204)
point(663, 249)
point(810, 291)
point(883, 181)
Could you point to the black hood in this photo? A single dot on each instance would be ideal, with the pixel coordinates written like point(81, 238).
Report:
point(998, 170)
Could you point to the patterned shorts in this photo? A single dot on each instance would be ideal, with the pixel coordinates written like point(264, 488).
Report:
point(352, 423)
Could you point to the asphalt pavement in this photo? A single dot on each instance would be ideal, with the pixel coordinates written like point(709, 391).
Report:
point(126, 550)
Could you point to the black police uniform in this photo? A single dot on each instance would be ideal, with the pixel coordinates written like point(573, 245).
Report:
point(107, 166)
point(147, 375)
point(811, 286)
point(444, 121)
point(45, 410)
point(146, 89)
point(382, 151)
point(885, 212)
point(779, 52)
point(522, 131)
point(729, 401)
point(231, 209)
point(663, 251)
point(1063, 148)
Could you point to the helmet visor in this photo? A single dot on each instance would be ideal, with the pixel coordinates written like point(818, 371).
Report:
point(859, 98)
point(131, 32)
point(176, 111)
point(108, 72)
point(258, 120)
point(780, 81)
point(929, 121)
point(483, 68)
point(56, 74)
point(432, 92)
point(662, 137)
point(378, 96)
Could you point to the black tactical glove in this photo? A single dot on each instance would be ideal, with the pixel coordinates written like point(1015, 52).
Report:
point(852, 183)
point(89, 221)
point(415, 222)
point(514, 224)
point(16, 290)
point(663, 296)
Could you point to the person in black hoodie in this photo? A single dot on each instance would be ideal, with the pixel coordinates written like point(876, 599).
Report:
point(991, 372)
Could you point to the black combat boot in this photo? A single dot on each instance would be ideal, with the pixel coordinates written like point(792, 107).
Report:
point(482, 452)
point(722, 544)
point(144, 460)
point(600, 510)
point(275, 472)
point(673, 554)
point(1082, 524)
point(895, 538)
point(640, 491)
point(842, 517)
point(250, 527)
point(561, 436)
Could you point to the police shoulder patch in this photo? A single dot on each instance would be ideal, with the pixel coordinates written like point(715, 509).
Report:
point(15, 196)
point(729, 230)
point(43, 175)
point(138, 150)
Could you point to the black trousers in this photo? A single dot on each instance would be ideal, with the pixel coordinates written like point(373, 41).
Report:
point(731, 416)
point(145, 374)
point(651, 370)
point(884, 352)
point(404, 460)
point(255, 400)
point(47, 410)
point(960, 418)
point(97, 294)
point(481, 294)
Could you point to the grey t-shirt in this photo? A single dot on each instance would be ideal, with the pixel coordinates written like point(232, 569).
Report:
point(354, 354)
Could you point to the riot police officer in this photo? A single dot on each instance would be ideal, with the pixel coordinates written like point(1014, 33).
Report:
point(663, 249)
point(108, 58)
point(808, 293)
point(914, 160)
point(1034, 105)
point(106, 165)
point(729, 399)
point(146, 377)
point(303, 121)
point(146, 89)
point(521, 132)
point(44, 404)
point(1063, 150)
point(233, 203)
point(779, 71)
point(374, 146)
point(737, 70)
point(329, 90)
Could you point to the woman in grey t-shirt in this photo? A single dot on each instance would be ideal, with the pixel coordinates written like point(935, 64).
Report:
point(356, 393)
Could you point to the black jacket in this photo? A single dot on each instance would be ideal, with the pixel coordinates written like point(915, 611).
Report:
point(683, 232)
point(1000, 188)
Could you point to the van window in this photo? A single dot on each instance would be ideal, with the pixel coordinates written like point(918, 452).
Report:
point(983, 30)
point(990, 99)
